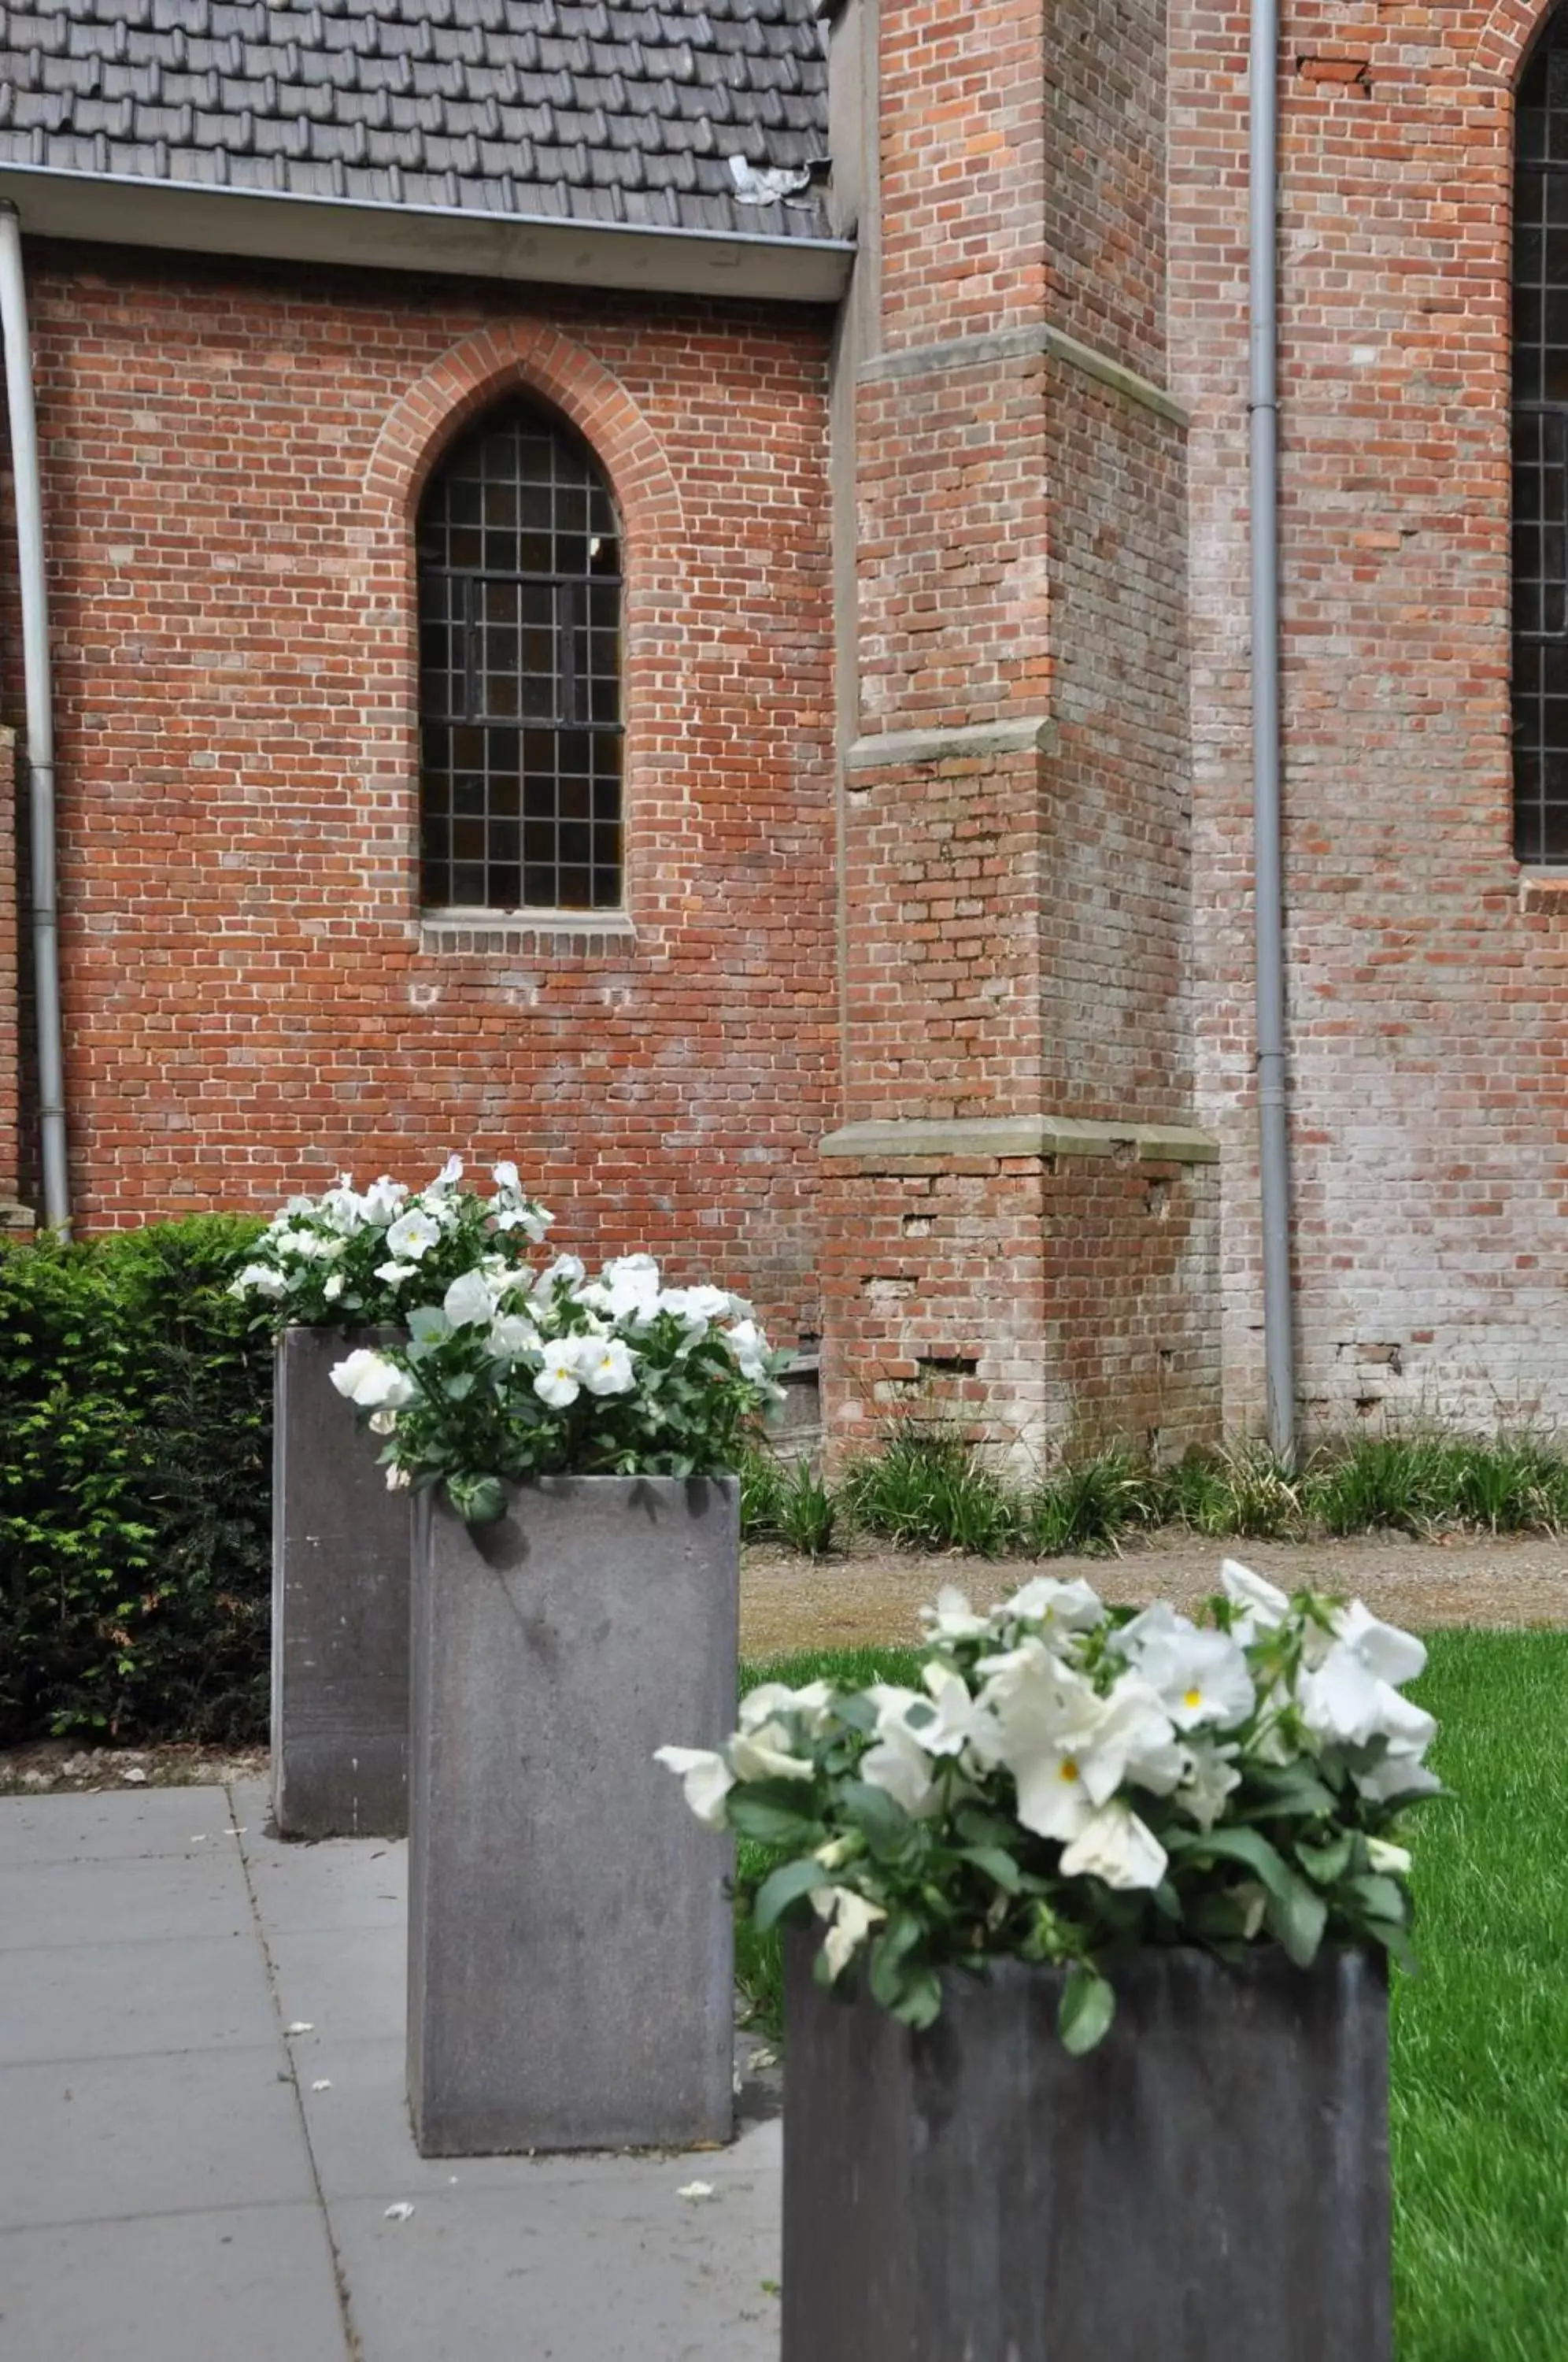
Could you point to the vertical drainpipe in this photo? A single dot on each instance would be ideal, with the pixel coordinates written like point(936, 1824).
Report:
point(1274, 1161)
point(39, 719)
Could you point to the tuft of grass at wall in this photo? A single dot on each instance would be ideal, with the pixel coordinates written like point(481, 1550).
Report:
point(928, 1490)
point(1479, 2036)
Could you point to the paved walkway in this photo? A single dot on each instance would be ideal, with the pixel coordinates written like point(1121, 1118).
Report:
point(202, 2129)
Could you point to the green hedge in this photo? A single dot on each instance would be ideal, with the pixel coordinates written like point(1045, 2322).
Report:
point(135, 1488)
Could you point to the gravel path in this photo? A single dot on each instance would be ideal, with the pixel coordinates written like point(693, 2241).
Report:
point(874, 1594)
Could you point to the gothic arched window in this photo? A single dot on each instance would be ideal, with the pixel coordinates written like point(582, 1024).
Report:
point(1540, 455)
point(519, 549)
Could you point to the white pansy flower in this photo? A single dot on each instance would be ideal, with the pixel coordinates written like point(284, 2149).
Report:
point(1396, 1780)
point(1392, 1860)
point(451, 1173)
point(412, 1235)
point(851, 1920)
point(1263, 1606)
point(953, 1618)
point(398, 1479)
point(396, 1273)
point(332, 1287)
point(532, 1220)
point(706, 1778)
point(696, 1306)
point(1343, 1701)
point(567, 1270)
point(749, 1346)
point(383, 1421)
point(372, 1381)
point(507, 1177)
point(1210, 1776)
point(1116, 1847)
point(469, 1302)
point(836, 1853)
point(1055, 1606)
point(626, 1289)
point(770, 1699)
point(763, 1754)
point(1392, 1655)
point(511, 1337)
point(1069, 1750)
point(900, 1765)
point(383, 1201)
point(344, 1209)
point(1202, 1677)
point(604, 1365)
point(557, 1383)
point(260, 1279)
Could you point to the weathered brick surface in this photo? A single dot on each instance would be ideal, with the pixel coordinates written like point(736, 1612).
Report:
point(231, 462)
point(1017, 924)
point(1035, 1304)
point(1428, 994)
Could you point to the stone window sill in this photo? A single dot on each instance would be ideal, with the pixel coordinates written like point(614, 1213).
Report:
point(527, 934)
point(1543, 893)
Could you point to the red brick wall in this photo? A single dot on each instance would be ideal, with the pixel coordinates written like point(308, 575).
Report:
point(1037, 1303)
point(1017, 918)
point(231, 457)
point(10, 980)
point(1428, 997)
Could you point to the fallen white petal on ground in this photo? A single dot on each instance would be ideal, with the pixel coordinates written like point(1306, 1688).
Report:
point(325, 2084)
point(300, 2026)
point(399, 2213)
point(696, 2190)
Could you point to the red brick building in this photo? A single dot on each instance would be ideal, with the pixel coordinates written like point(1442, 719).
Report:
point(666, 592)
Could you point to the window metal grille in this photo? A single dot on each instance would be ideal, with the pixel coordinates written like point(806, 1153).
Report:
point(519, 555)
point(1541, 455)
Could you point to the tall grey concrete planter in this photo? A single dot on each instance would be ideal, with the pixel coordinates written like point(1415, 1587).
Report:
point(340, 1572)
point(1211, 2182)
point(570, 1944)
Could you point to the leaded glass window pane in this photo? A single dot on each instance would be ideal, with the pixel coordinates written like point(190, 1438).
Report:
point(519, 554)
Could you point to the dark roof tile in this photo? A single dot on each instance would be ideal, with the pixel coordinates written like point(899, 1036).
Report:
point(589, 109)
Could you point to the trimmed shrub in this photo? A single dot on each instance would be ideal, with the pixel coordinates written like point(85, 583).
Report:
point(136, 1417)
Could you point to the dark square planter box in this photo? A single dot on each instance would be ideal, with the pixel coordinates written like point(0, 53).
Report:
point(570, 1940)
point(1210, 2185)
point(340, 1545)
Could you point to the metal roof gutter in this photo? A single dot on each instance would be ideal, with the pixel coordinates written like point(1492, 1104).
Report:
point(268, 226)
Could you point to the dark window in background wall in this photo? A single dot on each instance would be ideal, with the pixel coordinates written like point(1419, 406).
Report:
point(1540, 455)
point(519, 554)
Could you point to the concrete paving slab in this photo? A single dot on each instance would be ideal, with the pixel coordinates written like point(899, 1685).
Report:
point(112, 1827)
point(253, 2285)
point(343, 1981)
point(569, 2265)
point(202, 1894)
point(90, 2139)
point(339, 1882)
point(113, 2000)
point(362, 2142)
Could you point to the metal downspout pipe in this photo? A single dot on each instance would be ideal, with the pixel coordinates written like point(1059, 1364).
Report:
point(1273, 1144)
point(39, 719)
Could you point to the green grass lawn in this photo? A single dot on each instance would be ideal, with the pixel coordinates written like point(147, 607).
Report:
point(1480, 2038)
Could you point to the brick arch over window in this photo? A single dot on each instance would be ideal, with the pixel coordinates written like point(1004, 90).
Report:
point(1510, 34)
point(479, 376)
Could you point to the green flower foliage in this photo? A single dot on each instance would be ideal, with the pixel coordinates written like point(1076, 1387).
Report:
point(134, 1505)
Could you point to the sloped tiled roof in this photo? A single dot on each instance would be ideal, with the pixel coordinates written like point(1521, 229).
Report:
point(579, 111)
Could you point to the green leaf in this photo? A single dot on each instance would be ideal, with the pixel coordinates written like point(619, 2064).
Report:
point(997, 1864)
point(427, 1324)
point(1377, 1896)
point(919, 2003)
point(1086, 2008)
point(1289, 1790)
point(1325, 1863)
point(1297, 1919)
point(1395, 1942)
point(881, 1818)
point(889, 1951)
point(788, 1884)
point(773, 1818)
point(1249, 1847)
point(478, 1500)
